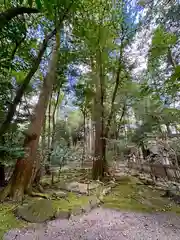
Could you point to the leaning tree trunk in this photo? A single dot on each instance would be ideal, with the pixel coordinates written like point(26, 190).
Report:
point(24, 172)
point(12, 107)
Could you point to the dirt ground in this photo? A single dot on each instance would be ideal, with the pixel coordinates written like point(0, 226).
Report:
point(105, 224)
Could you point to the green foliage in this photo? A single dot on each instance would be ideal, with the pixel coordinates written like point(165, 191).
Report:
point(38, 3)
point(162, 41)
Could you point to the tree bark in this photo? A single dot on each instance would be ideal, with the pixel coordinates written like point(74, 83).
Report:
point(11, 13)
point(24, 172)
point(85, 139)
point(114, 94)
point(51, 144)
point(2, 175)
point(100, 127)
point(99, 162)
point(47, 164)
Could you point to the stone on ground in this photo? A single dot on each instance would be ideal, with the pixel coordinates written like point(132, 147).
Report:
point(37, 212)
point(77, 187)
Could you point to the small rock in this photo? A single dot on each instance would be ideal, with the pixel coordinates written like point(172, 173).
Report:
point(77, 187)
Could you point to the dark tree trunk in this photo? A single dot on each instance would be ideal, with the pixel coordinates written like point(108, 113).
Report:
point(26, 168)
point(2, 175)
point(100, 166)
point(99, 162)
point(84, 130)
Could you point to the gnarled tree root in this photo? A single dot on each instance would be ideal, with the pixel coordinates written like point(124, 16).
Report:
point(32, 193)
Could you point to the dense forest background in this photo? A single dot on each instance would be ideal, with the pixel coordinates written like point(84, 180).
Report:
point(87, 81)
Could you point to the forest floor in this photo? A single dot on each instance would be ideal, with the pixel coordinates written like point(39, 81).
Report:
point(131, 211)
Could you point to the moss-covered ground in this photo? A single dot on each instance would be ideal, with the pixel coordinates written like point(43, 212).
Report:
point(131, 195)
point(8, 219)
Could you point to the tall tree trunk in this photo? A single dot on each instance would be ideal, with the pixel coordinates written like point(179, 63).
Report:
point(120, 121)
point(52, 142)
point(48, 160)
point(85, 138)
point(99, 155)
point(54, 119)
point(24, 173)
point(101, 133)
point(117, 83)
point(12, 108)
point(43, 139)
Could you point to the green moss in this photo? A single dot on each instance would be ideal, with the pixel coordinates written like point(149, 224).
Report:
point(7, 219)
point(133, 197)
point(73, 201)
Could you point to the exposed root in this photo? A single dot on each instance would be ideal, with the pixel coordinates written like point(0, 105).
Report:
point(5, 192)
point(36, 194)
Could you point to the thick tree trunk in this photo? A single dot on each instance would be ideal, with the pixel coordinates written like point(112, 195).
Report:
point(24, 172)
point(99, 163)
point(100, 166)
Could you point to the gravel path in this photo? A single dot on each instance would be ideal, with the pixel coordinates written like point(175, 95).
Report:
point(105, 224)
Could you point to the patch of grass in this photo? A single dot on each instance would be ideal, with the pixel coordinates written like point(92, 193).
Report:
point(133, 197)
point(7, 219)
